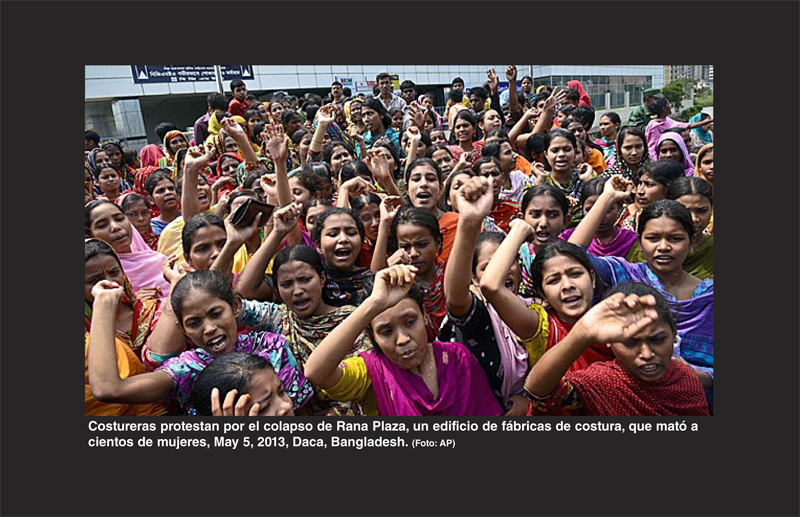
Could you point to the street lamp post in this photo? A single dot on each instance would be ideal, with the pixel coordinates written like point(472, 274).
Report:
point(218, 75)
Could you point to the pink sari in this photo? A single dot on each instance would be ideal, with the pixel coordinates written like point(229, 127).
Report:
point(143, 266)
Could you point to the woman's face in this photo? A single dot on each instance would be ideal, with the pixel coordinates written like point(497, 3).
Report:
point(401, 334)
point(491, 121)
point(665, 245)
point(428, 125)
point(229, 167)
point(389, 158)
point(649, 190)
point(527, 85)
point(568, 287)
point(632, 149)
point(102, 158)
point(427, 102)
point(669, 150)
point(437, 137)
point(263, 111)
point(700, 208)
point(648, 354)
point(444, 160)
point(561, 154)
point(397, 121)
point(340, 242)
point(177, 143)
point(115, 155)
point(485, 254)
point(577, 129)
point(707, 166)
point(276, 109)
point(207, 244)
point(607, 128)
point(311, 217)
point(305, 142)
point(300, 194)
point(107, 222)
point(210, 322)
point(458, 181)
point(339, 157)
point(203, 193)
point(370, 217)
point(609, 220)
point(300, 288)
point(355, 110)
point(424, 188)
point(108, 180)
point(229, 144)
point(464, 130)
point(492, 171)
point(139, 216)
point(266, 389)
point(508, 158)
point(101, 267)
point(546, 217)
point(372, 120)
point(420, 245)
point(88, 181)
point(165, 196)
point(252, 122)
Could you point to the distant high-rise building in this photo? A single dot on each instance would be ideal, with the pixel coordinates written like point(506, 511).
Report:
point(700, 72)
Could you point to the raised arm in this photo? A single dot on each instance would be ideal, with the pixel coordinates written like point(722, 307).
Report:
point(390, 206)
point(513, 101)
point(358, 138)
point(233, 129)
point(352, 187)
point(475, 200)
point(391, 285)
point(196, 158)
point(615, 189)
point(324, 119)
point(106, 384)
point(167, 338)
point(236, 237)
point(546, 117)
point(616, 319)
point(521, 127)
point(523, 321)
point(251, 284)
point(379, 167)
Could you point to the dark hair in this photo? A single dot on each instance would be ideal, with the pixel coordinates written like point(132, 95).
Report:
point(251, 179)
point(476, 167)
point(640, 289)
point(92, 136)
point(314, 203)
point(444, 203)
point(664, 171)
point(311, 111)
point(466, 115)
point(309, 181)
point(457, 80)
point(101, 168)
point(567, 109)
point(250, 114)
point(667, 208)
point(210, 281)
point(382, 75)
point(347, 92)
point(320, 170)
point(612, 116)
point(395, 111)
point(360, 202)
point(541, 96)
point(389, 146)
point(377, 106)
point(236, 83)
point(163, 128)
point(573, 94)
point(534, 144)
point(336, 83)
point(327, 152)
point(157, 177)
point(91, 206)
point(131, 199)
point(553, 249)
point(630, 131)
point(408, 84)
point(421, 217)
point(232, 371)
point(216, 101)
point(687, 186)
point(416, 293)
point(499, 134)
point(130, 155)
point(585, 115)
point(97, 247)
point(195, 223)
point(431, 114)
point(298, 135)
point(480, 91)
point(419, 162)
point(484, 237)
point(492, 148)
point(287, 115)
point(456, 96)
point(438, 147)
point(300, 253)
point(352, 169)
point(238, 194)
point(559, 132)
point(108, 145)
point(334, 210)
point(593, 187)
point(658, 106)
point(545, 190)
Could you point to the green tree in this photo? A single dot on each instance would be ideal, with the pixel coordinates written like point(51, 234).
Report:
point(675, 92)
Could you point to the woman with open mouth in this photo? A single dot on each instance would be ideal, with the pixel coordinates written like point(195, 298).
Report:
point(652, 186)
point(666, 230)
point(204, 310)
point(162, 192)
point(424, 186)
point(471, 319)
point(636, 323)
point(304, 317)
point(405, 374)
point(464, 128)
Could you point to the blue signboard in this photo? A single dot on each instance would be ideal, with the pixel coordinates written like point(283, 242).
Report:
point(147, 74)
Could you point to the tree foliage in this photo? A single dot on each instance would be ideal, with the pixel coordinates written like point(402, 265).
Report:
point(675, 92)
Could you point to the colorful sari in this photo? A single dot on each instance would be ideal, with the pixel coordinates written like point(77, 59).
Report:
point(703, 150)
point(435, 306)
point(619, 245)
point(463, 388)
point(143, 266)
point(686, 162)
point(503, 212)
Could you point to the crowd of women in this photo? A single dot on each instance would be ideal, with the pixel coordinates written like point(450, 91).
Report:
point(505, 263)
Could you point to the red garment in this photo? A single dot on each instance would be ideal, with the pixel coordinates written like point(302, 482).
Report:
point(365, 256)
point(503, 212)
point(435, 303)
point(607, 389)
point(585, 100)
point(477, 151)
point(138, 187)
point(150, 154)
point(237, 107)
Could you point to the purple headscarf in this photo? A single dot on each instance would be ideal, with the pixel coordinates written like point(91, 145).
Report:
point(678, 139)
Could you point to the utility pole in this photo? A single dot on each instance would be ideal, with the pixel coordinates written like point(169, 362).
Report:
point(218, 74)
